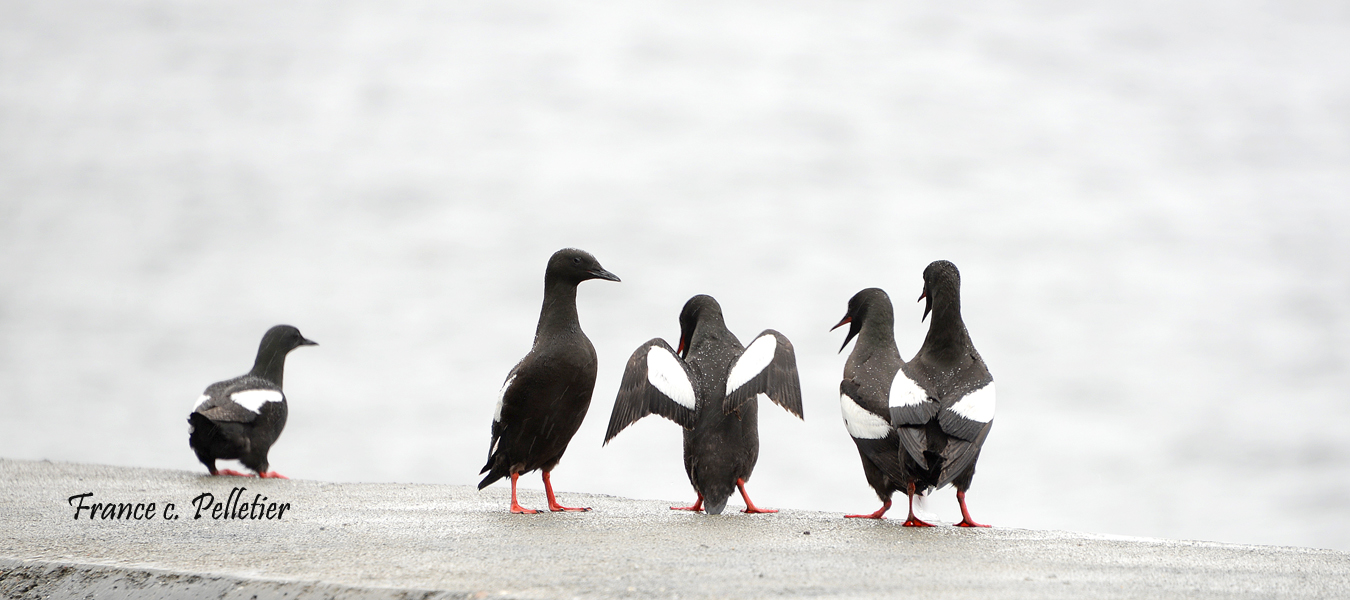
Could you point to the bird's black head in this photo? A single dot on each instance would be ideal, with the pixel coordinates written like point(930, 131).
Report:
point(697, 308)
point(282, 339)
point(941, 279)
point(869, 302)
point(276, 343)
point(575, 266)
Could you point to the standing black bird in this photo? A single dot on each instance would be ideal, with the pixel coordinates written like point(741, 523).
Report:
point(942, 402)
point(863, 393)
point(711, 389)
point(241, 418)
point(546, 394)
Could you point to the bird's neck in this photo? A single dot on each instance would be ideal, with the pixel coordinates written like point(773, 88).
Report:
point(559, 312)
point(874, 337)
point(269, 365)
point(947, 336)
point(711, 334)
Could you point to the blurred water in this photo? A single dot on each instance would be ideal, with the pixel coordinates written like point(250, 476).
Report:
point(1147, 202)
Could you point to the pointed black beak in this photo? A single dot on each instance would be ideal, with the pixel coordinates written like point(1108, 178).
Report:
point(599, 273)
point(305, 342)
point(927, 307)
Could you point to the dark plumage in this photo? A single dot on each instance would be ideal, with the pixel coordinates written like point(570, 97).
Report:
point(546, 394)
point(868, 373)
point(942, 402)
point(241, 418)
point(710, 389)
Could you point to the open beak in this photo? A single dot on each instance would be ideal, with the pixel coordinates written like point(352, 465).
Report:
point(685, 341)
point(846, 319)
point(926, 307)
point(853, 329)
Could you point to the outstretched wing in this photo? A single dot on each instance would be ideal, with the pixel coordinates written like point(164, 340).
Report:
point(967, 419)
point(768, 366)
point(655, 381)
point(236, 403)
point(911, 409)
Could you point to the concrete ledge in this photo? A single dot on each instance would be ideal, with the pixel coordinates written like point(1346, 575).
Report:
point(35, 579)
point(431, 541)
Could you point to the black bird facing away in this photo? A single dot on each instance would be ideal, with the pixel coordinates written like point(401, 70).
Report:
point(942, 401)
point(710, 386)
point(868, 373)
point(546, 394)
point(241, 418)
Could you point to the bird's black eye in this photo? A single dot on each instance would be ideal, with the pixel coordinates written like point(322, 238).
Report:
point(576, 260)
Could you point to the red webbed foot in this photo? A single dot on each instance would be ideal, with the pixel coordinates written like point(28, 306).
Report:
point(750, 507)
point(553, 502)
point(876, 515)
point(520, 510)
point(516, 508)
point(272, 475)
point(697, 506)
point(966, 521)
point(755, 510)
point(914, 521)
point(233, 473)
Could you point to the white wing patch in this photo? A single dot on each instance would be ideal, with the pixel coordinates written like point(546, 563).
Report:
point(752, 362)
point(254, 399)
point(501, 399)
point(904, 392)
point(977, 405)
point(200, 401)
point(666, 375)
point(860, 422)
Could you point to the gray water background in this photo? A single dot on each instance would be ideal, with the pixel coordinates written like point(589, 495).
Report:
point(1148, 202)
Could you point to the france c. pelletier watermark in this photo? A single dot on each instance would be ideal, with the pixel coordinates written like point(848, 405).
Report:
point(204, 506)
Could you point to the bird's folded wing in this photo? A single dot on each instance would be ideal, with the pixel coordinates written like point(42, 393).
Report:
point(911, 408)
point(497, 426)
point(967, 419)
point(966, 415)
point(768, 366)
point(872, 433)
point(236, 406)
point(960, 454)
point(655, 381)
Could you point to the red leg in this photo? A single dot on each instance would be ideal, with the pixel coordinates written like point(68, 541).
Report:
point(515, 506)
point(914, 521)
point(553, 502)
point(750, 507)
point(697, 507)
point(272, 475)
point(876, 515)
point(966, 521)
point(233, 473)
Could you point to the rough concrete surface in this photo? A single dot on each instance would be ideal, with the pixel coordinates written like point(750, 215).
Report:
point(431, 541)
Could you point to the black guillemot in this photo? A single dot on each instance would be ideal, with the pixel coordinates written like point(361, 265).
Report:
point(942, 400)
point(710, 386)
point(241, 418)
point(868, 373)
point(546, 394)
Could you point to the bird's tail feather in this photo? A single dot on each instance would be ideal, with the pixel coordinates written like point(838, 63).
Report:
point(495, 468)
point(491, 479)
